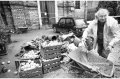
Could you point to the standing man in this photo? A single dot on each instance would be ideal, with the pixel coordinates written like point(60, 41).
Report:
point(105, 31)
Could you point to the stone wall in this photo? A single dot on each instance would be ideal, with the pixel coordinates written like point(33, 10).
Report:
point(18, 16)
point(34, 18)
point(25, 14)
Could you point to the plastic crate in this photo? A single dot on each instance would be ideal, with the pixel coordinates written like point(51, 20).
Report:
point(33, 73)
point(51, 65)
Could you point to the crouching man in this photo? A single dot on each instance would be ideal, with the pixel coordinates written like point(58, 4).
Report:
point(105, 32)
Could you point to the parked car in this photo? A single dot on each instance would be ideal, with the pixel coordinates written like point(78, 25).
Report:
point(117, 18)
point(67, 24)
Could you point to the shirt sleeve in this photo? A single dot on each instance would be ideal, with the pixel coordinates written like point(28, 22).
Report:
point(88, 31)
point(116, 33)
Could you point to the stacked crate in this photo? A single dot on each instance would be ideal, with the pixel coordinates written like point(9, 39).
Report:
point(37, 72)
point(51, 58)
point(51, 52)
point(51, 65)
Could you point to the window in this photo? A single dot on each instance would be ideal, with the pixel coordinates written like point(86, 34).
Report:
point(69, 21)
point(62, 21)
point(77, 4)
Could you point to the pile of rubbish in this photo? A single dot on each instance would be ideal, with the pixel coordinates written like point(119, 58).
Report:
point(52, 51)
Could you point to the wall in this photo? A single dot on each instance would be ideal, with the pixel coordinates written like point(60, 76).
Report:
point(25, 14)
point(47, 12)
point(9, 18)
point(2, 25)
point(6, 15)
point(91, 5)
point(18, 16)
point(34, 18)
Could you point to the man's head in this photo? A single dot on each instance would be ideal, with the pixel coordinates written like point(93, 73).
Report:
point(102, 14)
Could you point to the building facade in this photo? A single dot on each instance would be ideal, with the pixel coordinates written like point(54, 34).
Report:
point(36, 14)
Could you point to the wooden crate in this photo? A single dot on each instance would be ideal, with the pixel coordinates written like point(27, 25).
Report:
point(33, 73)
point(51, 52)
point(50, 55)
point(56, 47)
point(51, 65)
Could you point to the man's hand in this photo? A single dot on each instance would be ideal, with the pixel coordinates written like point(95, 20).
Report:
point(82, 43)
point(84, 40)
point(109, 48)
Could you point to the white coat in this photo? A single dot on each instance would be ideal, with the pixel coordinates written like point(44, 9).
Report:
point(111, 32)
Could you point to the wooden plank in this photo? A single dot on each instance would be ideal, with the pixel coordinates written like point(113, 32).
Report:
point(51, 61)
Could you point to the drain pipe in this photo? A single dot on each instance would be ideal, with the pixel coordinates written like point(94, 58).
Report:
point(85, 11)
point(39, 14)
point(56, 11)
